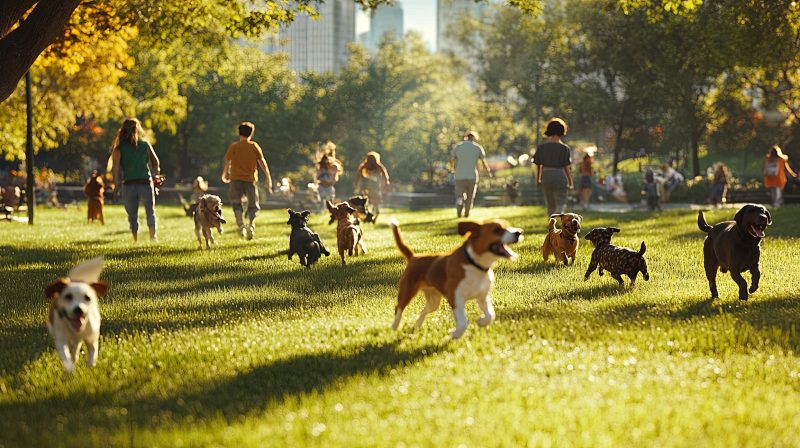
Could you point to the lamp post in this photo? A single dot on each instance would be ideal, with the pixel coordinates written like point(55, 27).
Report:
point(31, 195)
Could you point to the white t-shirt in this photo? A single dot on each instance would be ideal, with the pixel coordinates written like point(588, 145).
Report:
point(467, 154)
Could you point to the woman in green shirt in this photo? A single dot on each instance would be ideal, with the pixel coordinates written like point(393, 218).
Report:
point(133, 161)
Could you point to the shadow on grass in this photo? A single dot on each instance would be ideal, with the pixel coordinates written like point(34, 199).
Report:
point(255, 390)
point(20, 345)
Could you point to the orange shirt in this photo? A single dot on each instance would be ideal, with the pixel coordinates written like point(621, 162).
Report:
point(244, 157)
point(778, 181)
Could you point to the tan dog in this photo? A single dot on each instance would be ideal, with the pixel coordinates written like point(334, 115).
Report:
point(460, 275)
point(349, 237)
point(207, 216)
point(94, 189)
point(562, 243)
point(74, 317)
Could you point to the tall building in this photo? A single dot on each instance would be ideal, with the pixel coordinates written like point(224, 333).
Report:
point(449, 14)
point(320, 45)
point(385, 20)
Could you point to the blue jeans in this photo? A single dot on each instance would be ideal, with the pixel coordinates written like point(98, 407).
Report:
point(132, 194)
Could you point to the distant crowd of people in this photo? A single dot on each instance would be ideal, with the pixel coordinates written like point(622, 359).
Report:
point(135, 168)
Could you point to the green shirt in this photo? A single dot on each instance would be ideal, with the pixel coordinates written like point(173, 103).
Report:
point(133, 162)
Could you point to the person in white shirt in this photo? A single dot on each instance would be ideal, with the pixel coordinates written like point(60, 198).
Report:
point(465, 159)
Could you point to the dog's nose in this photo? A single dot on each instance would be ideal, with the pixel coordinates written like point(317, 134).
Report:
point(78, 311)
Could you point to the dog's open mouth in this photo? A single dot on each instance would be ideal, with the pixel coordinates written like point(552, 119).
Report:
point(502, 250)
point(77, 322)
point(757, 230)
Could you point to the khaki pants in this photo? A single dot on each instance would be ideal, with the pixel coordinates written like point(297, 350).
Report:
point(465, 195)
point(237, 189)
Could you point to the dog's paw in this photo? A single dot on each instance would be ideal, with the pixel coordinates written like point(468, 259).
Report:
point(485, 321)
point(458, 332)
point(753, 289)
point(586, 278)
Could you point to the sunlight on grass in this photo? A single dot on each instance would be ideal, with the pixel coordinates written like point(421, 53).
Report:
point(240, 346)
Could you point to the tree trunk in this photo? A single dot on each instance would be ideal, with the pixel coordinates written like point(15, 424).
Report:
point(20, 48)
point(618, 142)
point(696, 153)
point(30, 185)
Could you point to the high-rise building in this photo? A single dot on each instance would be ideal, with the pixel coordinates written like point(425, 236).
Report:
point(449, 14)
point(320, 45)
point(385, 20)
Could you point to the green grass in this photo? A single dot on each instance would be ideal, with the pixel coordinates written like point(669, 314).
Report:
point(240, 347)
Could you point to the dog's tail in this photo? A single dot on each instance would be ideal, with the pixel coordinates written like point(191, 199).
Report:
point(701, 222)
point(642, 248)
point(551, 225)
point(398, 239)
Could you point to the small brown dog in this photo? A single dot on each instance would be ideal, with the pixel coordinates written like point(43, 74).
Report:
point(463, 274)
point(94, 190)
point(359, 203)
point(349, 237)
point(562, 243)
point(207, 216)
point(735, 246)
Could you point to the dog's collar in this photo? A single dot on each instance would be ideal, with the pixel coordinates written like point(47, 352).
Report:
point(472, 260)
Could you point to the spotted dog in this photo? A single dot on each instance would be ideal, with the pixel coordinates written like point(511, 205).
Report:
point(618, 261)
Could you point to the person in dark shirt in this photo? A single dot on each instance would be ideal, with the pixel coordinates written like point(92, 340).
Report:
point(552, 160)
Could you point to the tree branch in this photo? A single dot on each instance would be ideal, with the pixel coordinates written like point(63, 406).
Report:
point(11, 12)
point(20, 48)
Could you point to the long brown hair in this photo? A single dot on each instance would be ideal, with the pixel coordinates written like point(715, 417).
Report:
point(372, 163)
point(131, 131)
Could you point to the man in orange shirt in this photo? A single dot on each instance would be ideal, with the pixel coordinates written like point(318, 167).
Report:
point(240, 169)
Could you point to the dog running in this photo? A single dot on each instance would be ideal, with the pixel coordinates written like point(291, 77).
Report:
point(463, 274)
point(735, 246)
point(207, 216)
point(302, 241)
point(562, 243)
point(618, 261)
point(74, 316)
point(349, 237)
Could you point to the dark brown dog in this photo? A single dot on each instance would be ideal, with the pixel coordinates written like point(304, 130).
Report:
point(618, 261)
point(562, 243)
point(735, 246)
point(349, 237)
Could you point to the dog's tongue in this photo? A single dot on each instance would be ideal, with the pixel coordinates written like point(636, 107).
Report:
point(757, 231)
point(77, 322)
point(504, 251)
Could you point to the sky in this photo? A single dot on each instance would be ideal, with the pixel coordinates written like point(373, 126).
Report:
point(418, 15)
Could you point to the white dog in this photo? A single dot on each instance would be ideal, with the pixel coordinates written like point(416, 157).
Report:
point(74, 316)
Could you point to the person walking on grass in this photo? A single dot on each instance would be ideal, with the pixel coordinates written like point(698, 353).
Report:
point(776, 165)
point(133, 162)
point(465, 159)
point(327, 175)
point(553, 162)
point(371, 178)
point(240, 170)
point(719, 185)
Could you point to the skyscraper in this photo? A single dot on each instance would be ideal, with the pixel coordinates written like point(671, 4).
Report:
point(449, 13)
point(385, 20)
point(320, 45)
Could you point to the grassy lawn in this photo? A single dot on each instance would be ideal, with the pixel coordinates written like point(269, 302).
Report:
point(241, 347)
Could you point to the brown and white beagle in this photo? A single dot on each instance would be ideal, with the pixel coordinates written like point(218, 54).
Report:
point(459, 276)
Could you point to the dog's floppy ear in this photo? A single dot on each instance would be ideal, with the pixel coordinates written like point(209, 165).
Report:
point(580, 218)
point(55, 287)
point(739, 216)
point(465, 227)
point(769, 217)
point(614, 230)
point(305, 213)
point(349, 208)
point(290, 211)
point(556, 215)
point(101, 288)
point(203, 201)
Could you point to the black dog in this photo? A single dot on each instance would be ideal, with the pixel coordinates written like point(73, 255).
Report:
point(735, 246)
point(303, 242)
point(360, 204)
point(616, 260)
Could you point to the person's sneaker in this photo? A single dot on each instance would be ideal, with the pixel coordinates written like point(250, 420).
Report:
point(241, 231)
point(248, 232)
